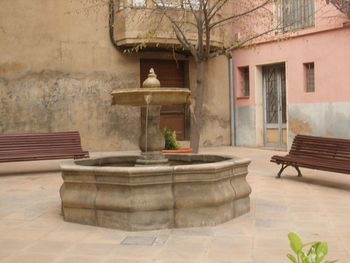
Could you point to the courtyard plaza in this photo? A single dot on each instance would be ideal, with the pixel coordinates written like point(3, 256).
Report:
point(316, 206)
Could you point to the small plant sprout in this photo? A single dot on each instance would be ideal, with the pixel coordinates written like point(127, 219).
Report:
point(170, 140)
point(312, 252)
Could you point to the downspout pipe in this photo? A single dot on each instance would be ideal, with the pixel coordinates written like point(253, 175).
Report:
point(111, 10)
point(232, 101)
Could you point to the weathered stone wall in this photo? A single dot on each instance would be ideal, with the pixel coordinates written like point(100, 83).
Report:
point(53, 101)
point(319, 119)
point(216, 111)
point(58, 67)
point(245, 126)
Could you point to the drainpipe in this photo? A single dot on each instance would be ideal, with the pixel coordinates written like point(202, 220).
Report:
point(232, 101)
point(111, 10)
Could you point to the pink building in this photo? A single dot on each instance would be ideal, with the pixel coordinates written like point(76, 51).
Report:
point(296, 82)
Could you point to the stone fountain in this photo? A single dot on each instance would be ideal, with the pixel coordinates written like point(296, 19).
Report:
point(153, 191)
point(151, 97)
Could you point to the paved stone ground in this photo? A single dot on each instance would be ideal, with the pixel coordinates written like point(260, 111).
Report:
point(316, 206)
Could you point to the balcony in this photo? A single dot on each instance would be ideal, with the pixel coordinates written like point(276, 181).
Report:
point(136, 26)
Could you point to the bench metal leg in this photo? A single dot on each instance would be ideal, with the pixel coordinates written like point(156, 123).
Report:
point(284, 166)
point(297, 168)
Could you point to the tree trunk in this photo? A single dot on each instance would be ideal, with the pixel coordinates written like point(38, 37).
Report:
point(196, 113)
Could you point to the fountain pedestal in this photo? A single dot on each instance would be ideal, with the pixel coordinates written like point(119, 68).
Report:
point(151, 140)
point(151, 159)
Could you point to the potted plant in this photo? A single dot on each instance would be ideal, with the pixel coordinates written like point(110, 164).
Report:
point(171, 144)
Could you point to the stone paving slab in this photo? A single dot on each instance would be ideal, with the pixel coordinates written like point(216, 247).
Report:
point(316, 206)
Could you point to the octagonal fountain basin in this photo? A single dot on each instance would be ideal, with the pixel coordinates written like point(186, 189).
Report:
point(194, 190)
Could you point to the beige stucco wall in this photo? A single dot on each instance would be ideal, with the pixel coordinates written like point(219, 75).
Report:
point(216, 111)
point(58, 67)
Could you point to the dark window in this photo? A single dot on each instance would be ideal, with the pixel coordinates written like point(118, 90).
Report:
point(244, 85)
point(309, 69)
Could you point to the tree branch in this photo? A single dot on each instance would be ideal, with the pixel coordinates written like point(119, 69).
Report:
point(342, 5)
point(240, 44)
point(180, 35)
point(216, 8)
point(192, 10)
point(217, 23)
point(207, 31)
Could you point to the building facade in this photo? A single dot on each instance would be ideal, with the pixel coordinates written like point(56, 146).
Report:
point(60, 60)
point(58, 67)
point(295, 81)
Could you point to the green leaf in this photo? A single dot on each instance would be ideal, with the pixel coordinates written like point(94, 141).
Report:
point(292, 258)
point(304, 258)
point(295, 242)
point(321, 251)
point(312, 252)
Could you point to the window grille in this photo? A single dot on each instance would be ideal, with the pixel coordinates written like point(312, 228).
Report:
point(295, 14)
point(310, 77)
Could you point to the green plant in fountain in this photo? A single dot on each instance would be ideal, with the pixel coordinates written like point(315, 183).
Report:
point(170, 140)
point(313, 252)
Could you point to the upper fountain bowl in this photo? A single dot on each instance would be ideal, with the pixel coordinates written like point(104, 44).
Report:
point(151, 94)
point(158, 96)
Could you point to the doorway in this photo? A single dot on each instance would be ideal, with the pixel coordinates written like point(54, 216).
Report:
point(275, 116)
point(173, 74)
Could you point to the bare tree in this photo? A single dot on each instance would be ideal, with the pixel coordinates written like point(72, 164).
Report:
point(194, 24)
point(342, 5)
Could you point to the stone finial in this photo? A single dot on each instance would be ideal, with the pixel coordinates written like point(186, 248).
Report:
point(151, 81)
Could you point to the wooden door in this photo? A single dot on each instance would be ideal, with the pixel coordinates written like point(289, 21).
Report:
point(170, 74)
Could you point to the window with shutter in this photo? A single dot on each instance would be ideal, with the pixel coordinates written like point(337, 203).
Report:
point(295, 14)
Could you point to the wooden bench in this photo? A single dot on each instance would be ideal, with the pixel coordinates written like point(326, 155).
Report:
point(41, 146)
point(327, 154)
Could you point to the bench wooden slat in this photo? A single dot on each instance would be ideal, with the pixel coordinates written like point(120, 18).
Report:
point(21, 139)
point(31, 156)
point(48, 146)
point(334, 155)
point(21, 153)
point(8, 140)
point(37, 146)
point(316, 162)
point(316, 147)
point(329, 154)
point(41, 146)
point(317, 150)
